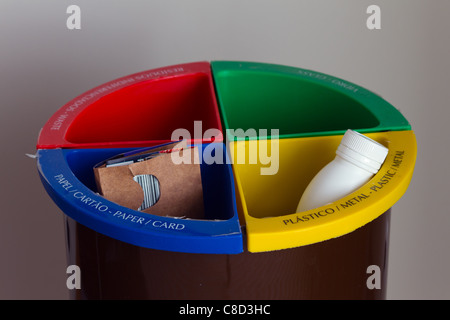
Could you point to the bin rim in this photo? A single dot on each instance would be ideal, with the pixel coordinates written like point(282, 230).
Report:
point(388, 117)
point(54, 132)
point(92, 210)
point(206, 236)
point(381, 193)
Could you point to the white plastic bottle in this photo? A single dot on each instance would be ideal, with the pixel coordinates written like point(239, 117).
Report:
point(357, 159)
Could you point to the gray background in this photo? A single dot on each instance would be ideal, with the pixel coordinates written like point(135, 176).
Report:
point(43, 65)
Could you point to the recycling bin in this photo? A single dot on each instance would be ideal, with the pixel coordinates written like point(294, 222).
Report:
point(269, 129)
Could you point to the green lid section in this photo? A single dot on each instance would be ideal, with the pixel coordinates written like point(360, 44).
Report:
point(257, 97)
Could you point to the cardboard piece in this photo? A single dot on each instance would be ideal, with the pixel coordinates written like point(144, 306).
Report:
point(180, 185)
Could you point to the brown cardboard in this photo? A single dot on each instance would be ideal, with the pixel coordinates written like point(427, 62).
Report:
point(181, 193)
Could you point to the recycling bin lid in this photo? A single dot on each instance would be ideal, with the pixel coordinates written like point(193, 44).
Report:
point(67, 177)
point(310, 109)
point(255, 96)
point(138, 110)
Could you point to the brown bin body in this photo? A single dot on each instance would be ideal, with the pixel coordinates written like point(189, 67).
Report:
point(333, 269)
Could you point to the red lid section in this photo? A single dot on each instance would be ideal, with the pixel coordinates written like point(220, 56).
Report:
point(141, 109)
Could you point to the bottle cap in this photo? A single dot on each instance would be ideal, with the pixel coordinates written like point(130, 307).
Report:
point(362, 151)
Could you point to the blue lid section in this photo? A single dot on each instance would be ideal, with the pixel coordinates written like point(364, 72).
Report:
point(68, 177)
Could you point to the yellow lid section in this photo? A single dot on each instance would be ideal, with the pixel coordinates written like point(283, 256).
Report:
point(271, 176)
